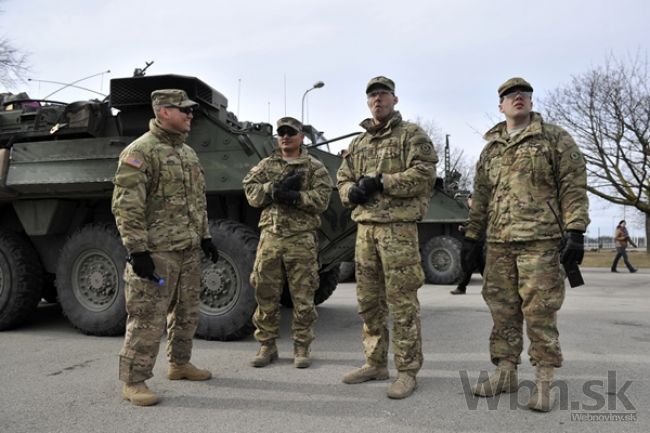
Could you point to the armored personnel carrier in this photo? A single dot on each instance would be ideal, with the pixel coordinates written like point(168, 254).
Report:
point(57, 235)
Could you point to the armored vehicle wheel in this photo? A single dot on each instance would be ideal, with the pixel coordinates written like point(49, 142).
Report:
point(21, 278)
point(346, 272)
point(328, 282)
point(89, 280)
point(227, 298)
point(441, 260)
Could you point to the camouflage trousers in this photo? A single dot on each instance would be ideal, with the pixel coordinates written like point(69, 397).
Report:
point(523, 281)
point(293, 259)
point(150, 307)
point(389, 273)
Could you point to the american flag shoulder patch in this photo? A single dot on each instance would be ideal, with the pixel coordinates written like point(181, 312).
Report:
point(132, 161)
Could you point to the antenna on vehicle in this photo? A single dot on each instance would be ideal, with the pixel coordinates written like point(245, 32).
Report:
point(447, 156)
point(67, 84)
point(72, 84)
point(139, 72)
point(238, 95)
point(457, 160)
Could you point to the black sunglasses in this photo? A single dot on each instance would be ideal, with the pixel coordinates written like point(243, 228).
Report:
point(185, 110)
point(287, 131)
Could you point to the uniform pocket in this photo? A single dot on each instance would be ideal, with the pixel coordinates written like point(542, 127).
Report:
point(389, 157)
point(399, 245)
point(400, 257)
point(255, 277)
point(171, 178)
point(494, 170)
point(541, 168)
point(197, 176)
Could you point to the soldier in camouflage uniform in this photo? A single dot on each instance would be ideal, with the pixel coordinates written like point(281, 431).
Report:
point(160, 209)
point(387, 178)
point(293, 188)
point(527, 167)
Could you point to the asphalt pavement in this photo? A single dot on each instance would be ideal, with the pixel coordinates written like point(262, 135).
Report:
point(55, 379)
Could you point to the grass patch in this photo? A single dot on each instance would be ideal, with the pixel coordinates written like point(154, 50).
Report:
point(604, 259)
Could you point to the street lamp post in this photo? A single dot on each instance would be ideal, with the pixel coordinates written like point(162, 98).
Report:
point(317, 85)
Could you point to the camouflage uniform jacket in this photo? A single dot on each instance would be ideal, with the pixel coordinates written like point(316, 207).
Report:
point(159, 197)
point(403, 154)
point(282, 219)
point(516, 177)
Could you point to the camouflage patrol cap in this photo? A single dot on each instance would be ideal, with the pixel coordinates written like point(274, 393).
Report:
point(380, 81)
point(512, 83)
point(171, 97)
point(290, 122)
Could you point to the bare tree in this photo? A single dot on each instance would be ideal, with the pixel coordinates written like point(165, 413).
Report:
point(458, 162)
point(13, 63)
point(607, 110)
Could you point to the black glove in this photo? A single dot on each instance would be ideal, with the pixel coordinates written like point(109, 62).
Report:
point(357, 195)
point(143, 266)
point(210, 250)
point(292, 181)
point(574, 248)
point(470, 254)
point(285, 196)
point(370, 184)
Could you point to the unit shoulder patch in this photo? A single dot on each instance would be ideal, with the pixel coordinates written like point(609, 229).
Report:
point(426, 148)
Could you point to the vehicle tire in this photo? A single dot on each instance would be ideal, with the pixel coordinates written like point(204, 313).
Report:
point(441, 260)
point(21, 279)
point(328, 282)
point(227, 298)
point(346, 272)
point(89, 280)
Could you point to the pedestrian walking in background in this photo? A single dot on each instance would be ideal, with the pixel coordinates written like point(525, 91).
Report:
point(621, 241)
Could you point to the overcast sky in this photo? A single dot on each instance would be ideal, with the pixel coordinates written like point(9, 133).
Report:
point(446, 57)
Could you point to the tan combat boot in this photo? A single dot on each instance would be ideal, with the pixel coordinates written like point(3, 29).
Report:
point(301, 356)
point(403, 386)
point(366, 373)
point(187, 372)
point(267, 354)
point(139, 394)
point(504, 379)
point(542, 398)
